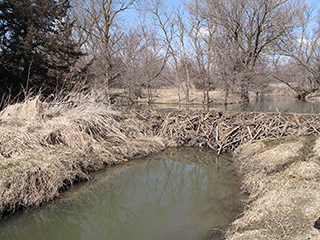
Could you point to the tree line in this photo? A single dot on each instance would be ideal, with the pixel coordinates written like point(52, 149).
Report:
point(238, 46)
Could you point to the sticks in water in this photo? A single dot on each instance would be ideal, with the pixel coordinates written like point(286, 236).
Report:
point(225, 131)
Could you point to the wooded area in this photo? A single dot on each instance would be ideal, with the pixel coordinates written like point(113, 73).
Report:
point(234, 46)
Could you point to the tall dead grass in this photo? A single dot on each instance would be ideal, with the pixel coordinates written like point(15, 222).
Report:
point(46, 146)
point(282, 179)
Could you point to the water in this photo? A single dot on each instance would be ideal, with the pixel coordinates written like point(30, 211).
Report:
point(256, 104)
point(177, 194)
point(282, 104)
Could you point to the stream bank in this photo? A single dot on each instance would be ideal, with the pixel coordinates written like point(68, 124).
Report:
point(46, 147)
point(281, 178)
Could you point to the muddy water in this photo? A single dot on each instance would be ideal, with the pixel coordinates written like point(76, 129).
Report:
point(256, 104)
point(177, 194)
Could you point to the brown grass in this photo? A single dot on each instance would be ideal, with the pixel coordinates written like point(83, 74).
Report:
point(45, 147)
point(171, 96)
point(282, 179)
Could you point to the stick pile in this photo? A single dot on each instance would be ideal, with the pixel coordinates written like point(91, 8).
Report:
point(225, 131)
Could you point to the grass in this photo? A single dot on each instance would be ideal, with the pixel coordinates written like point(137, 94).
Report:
point(282, 183)
point(171, 96)
point(45, 147)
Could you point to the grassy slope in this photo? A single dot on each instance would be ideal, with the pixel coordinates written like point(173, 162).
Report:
point(46, 147)
point(282, 179)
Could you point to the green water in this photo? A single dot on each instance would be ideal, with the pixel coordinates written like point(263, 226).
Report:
point(176, 194)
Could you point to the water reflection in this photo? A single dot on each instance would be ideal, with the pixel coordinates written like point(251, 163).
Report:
point(256, 104)
point(283, 104)
point(178, 194)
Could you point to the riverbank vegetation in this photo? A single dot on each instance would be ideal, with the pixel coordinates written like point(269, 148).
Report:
point(47, 146)
point(52, 135)
point(281, 178)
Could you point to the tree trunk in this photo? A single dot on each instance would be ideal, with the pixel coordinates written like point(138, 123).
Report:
point(244, 92)
point(226, 97)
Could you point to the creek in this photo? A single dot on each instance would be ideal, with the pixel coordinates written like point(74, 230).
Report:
point(256, 104)
point(182, 193)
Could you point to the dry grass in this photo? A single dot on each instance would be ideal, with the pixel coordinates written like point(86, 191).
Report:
point(171, 96)
point(282, 180)
point(44, 147)
point(217, 97)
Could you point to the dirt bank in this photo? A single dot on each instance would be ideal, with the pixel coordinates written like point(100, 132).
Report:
point(281, 178)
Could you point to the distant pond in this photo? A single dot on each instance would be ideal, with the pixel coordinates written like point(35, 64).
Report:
point(183, 193)
point(256, 104)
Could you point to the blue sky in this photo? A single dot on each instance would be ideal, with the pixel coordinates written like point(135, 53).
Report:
point(316, 2)
point(170, 3)
point(176, 2)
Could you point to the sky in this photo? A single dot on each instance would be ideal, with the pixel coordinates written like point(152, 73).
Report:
point(176, 2)
point(172, 3)
point(316, 2)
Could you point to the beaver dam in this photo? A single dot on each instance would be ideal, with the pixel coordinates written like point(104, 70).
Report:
point(46, 147)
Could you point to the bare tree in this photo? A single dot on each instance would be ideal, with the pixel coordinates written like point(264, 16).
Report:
point(157, 34)
point(182, 35)
point(100, 28)
point(153, 60)
point(249, 29)
point(225, 44)
point(142, 60)
point(202, 34)
point(164, 20)
point(302, 49)
point(132, 44)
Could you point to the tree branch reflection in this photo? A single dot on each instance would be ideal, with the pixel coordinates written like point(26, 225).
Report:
point(180, 192)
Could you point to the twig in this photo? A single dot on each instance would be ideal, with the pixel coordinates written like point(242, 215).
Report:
point(250, 133)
